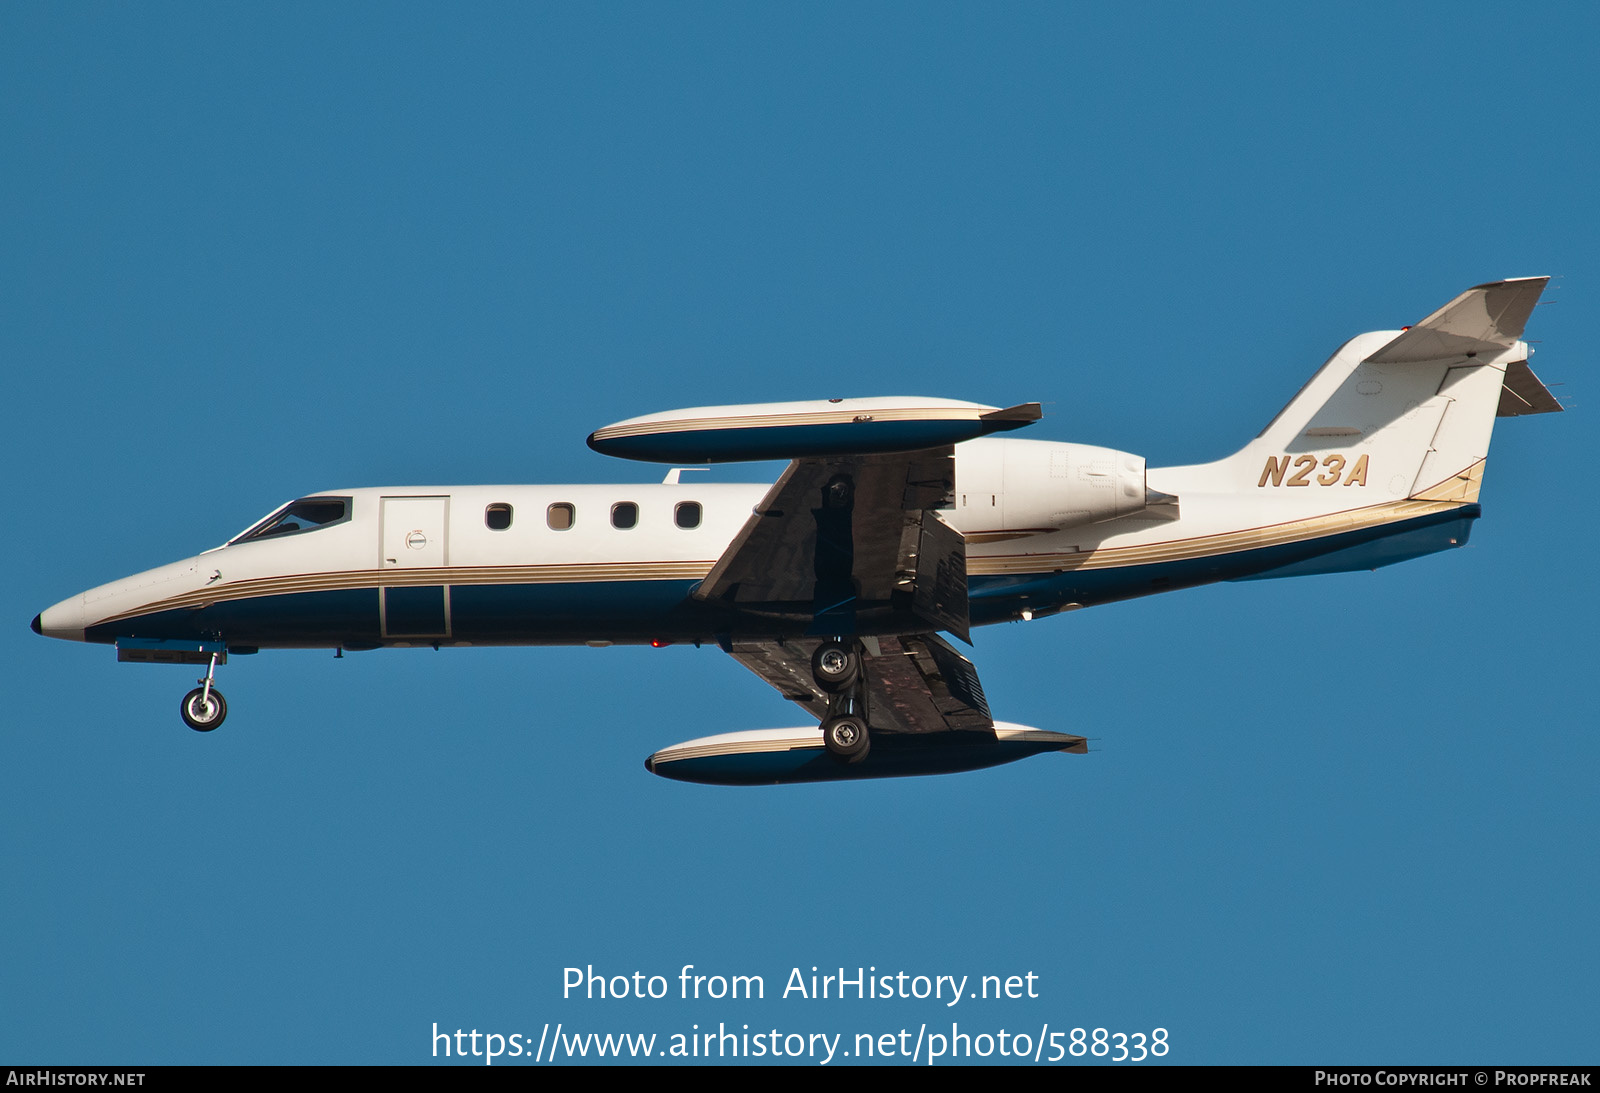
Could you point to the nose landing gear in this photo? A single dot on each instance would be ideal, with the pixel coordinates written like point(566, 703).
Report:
point(204, 708)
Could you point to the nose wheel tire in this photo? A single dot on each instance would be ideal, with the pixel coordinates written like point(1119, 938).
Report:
point(835, 666)
point(202, 713)
point(846, 738)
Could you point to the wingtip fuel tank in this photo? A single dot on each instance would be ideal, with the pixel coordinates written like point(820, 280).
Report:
point(769, 757)
point(789, 430)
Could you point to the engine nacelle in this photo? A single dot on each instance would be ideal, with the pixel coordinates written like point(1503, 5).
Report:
point(1020, 485)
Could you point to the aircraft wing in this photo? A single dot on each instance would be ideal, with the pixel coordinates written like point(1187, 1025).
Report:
point(844, 567)
point(845, 544)
point(917, 684)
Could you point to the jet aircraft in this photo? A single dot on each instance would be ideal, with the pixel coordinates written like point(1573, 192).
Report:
point(898, 521)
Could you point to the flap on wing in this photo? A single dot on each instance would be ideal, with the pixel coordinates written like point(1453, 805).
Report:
point(1522, 393)
point(920, 683)
point(916, 683)
point(940, 595)
point(1480, 322)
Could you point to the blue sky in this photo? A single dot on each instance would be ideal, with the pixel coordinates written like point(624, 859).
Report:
point(252, 252)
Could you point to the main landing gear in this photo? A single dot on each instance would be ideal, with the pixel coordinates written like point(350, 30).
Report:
point(204, 707)
point(836, 668)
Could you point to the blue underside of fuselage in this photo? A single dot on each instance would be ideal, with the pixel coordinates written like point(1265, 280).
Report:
point(662, 610)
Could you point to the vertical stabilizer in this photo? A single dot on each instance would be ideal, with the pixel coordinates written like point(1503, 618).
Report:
point(1396, 415)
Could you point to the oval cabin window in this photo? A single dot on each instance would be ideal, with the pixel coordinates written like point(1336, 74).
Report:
point(560, 516)
point(498, 517)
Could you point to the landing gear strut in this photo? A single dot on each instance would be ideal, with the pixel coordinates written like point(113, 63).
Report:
point(204, 707)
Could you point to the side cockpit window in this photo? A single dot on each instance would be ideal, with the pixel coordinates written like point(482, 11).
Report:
point(306, 514)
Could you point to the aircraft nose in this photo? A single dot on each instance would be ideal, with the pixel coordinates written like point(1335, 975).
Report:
point(65, 620)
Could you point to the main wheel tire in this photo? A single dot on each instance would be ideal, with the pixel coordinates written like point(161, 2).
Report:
point(202, 714)
point(846, 738)
point(835, 666)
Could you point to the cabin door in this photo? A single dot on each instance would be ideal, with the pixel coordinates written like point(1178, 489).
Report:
point(413, 535)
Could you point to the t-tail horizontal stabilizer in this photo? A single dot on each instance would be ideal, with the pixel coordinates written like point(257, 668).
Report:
point(1522, 393)
point(1481, 322)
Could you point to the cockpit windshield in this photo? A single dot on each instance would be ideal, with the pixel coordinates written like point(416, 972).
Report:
point(306, 514)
